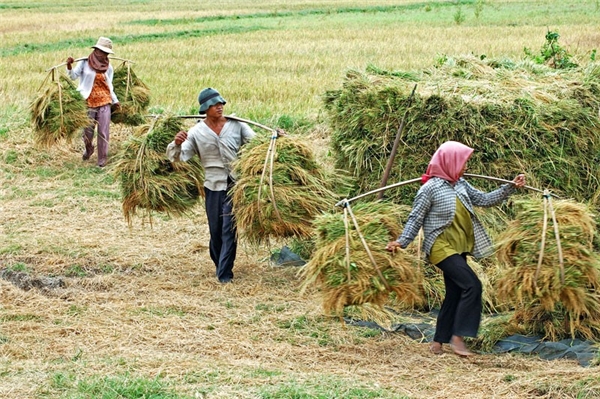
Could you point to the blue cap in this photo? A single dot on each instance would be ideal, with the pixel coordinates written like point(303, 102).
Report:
point(209, 97)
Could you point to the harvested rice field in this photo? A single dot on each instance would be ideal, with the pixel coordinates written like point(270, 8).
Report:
point(104, 295)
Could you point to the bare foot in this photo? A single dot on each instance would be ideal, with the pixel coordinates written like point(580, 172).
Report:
point(457, 344)
point(436, 348)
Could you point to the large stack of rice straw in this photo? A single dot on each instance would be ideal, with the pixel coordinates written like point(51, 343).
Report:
point(148, 180)
point(519, 117)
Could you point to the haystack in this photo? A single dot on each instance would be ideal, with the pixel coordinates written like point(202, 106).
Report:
point(519, 117)
point(341, 266)
point(280, 199)
point(149, 181)
point(133, 95)
point(556, 294)
point(59, 113)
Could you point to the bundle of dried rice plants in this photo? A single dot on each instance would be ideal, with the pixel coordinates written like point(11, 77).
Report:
point(58, 113)
point(282, 200)
point(133, 95)
point(341, 265)
point(148, 180)
point(519, 116)
point(553, 298)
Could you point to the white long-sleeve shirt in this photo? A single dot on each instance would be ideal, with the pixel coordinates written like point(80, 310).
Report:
point(86, 77)
point(216, 151)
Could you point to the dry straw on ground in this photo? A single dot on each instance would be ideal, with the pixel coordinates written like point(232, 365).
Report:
point(149, 181)
point(59, 112)
point(552, 284)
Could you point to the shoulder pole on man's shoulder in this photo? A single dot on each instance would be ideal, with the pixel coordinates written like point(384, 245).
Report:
point(232, 117)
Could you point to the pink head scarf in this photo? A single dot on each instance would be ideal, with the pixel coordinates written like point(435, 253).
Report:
point(448, 161)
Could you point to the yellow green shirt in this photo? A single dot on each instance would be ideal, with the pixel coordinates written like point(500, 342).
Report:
point(457, 238)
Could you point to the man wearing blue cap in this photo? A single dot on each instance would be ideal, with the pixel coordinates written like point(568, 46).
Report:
point(217, 141)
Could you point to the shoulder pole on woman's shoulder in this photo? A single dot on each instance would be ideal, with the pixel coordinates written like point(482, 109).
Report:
point(506, 181)
point(85, 58)
point(346, 201)
point(402, 183)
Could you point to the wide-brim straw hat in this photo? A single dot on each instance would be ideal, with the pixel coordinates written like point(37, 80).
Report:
point(104, 44)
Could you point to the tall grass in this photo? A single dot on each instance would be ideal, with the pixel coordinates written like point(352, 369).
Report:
point(272, 58)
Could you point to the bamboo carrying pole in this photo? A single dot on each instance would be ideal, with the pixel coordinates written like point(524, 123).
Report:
point(418, 179)
point(85, 58)
point(390, 163)
point(365, 245)
point(507, 181)
point(378, 190)
point(232, 117)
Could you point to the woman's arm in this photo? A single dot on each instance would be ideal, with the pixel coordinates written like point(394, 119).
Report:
point(479, 198)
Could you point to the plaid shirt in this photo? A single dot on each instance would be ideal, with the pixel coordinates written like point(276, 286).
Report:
point(434, 208)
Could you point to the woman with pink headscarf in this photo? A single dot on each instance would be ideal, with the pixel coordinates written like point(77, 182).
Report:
point(443, 207)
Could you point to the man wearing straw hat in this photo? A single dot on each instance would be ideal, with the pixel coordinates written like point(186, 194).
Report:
point(95, 76)
point(217, 141)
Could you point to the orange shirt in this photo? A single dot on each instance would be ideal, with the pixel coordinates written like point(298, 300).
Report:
point(100, 94)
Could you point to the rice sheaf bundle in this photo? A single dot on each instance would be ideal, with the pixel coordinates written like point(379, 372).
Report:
point(133, 95)
point(59, 113)
point(355, 280)
point(301, 190)
point(550, 300)
point(149, 181)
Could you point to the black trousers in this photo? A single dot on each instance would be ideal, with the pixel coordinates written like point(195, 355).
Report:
point(461, 310)
point(223, 236)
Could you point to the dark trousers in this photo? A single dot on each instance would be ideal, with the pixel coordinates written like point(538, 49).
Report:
point(223, 238)
point(461, 310)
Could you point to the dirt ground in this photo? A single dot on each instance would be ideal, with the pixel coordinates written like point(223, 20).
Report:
point(144, 300)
